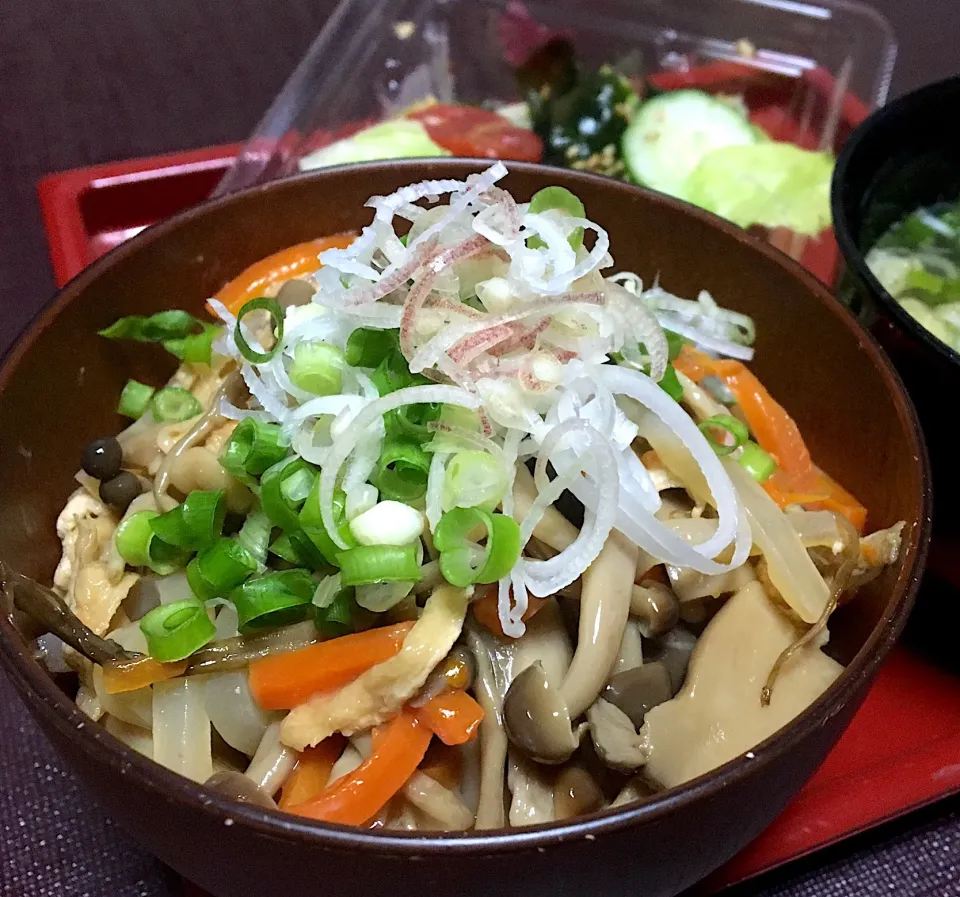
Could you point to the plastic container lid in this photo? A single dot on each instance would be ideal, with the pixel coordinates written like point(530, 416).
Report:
point(808, 72)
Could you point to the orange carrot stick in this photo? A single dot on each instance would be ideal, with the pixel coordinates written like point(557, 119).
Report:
point(286, 680)
point(485, 609)
point(797, 481)
point(770, 424)
point(118, 678)
point(399, 747)
point(293, 261)
point(453, 716)
point(312, 772)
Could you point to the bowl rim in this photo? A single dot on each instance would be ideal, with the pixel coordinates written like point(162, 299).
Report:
point(842, 201)
point(46, 699)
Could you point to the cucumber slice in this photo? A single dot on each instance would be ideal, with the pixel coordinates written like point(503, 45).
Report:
point(671, 133)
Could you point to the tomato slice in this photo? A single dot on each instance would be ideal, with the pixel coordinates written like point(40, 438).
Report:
point(470, 131)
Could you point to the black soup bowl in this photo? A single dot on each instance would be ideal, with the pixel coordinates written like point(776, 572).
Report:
point(904, 156)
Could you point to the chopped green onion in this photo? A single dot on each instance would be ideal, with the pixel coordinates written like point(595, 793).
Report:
point(309, 554)
point(366, 347)
point(336, 618)
point(254, 535)
point(217, 570)
point(252, 448)
point(736, 429)
point(274, 599)
point(174, 631)
point(139, 545)
point(174, 403)
point(458, 555)
point(318, 368)
point(276, 313)
point(197, 348)
point(134, 399)
point(670, 383)
point(757, 462)
point(311, 522)
point(675, 344)
point(284, 488)
point(473, 479)
point(562, 200)
point(284, 548)
point(369, 564)
point(164, 325)
point(196, 523)
point(402, 470)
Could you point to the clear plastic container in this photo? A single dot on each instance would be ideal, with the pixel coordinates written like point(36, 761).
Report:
point(807, 71)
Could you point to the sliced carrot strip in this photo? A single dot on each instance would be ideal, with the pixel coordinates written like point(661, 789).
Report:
point(453, 716)
point(693, 363)
point(286, 680)
point(293, 261)
point(770, 424)
point(797, 480)
point(139, 674)
point(839, 500)
point(360, 795)
point(312, 772)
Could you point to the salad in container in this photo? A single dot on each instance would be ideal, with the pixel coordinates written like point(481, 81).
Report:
point(733, 105)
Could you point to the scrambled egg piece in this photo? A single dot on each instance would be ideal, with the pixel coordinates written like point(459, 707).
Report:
point(382, 691)
point(92, 586)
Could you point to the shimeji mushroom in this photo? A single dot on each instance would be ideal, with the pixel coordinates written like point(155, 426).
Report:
point(539, 716)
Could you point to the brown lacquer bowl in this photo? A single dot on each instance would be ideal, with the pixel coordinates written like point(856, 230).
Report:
point(58, 388)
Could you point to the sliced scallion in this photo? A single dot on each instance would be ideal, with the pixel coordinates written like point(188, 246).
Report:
point(473, 479)
point(284, 488)
point(670, 383)
point(197, 348)
point(757, 462)
point(164, 325)
point(562, 200)
point(311, 522)
point(196, 523)
point(274, 599)
point(217, 570)
point(134, 399)
point(253, 447)
point(730, 426)
point(366, 347)
point(174, 631)
point(276, 313)
point(336, 618)
point(318, 368)
point(462, 562)
point(369, 564)
point(139, 545)
point(174, 403)
point(402, 470)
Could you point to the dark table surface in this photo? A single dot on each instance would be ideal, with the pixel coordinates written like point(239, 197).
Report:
point(88, 81)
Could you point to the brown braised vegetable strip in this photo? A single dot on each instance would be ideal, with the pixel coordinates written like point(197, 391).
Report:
point(47, 608)
point(840, 581)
